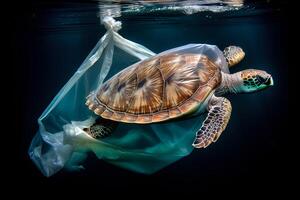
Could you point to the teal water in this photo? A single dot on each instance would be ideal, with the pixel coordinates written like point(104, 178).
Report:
point(54, 39)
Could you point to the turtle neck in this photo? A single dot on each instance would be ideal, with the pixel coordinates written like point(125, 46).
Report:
point(230, 83)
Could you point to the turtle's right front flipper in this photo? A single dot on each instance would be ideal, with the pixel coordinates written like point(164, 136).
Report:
point(215, 122)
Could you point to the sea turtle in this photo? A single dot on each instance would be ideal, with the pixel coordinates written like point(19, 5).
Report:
point(172, 84)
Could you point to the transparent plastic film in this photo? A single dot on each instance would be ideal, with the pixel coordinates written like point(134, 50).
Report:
point(49, 149)
point(61, 141)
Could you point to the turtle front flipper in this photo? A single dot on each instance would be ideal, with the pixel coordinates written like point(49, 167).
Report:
point(215, 122)
point(233, 55)
point(101, 128)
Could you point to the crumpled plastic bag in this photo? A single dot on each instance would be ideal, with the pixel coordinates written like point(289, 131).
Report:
point(61, 142)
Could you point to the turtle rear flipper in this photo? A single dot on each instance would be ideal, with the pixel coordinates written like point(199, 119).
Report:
point(215, 122)
point(101, 128)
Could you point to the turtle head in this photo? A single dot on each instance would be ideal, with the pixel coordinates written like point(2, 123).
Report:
point(233, 55)
point(254, 80)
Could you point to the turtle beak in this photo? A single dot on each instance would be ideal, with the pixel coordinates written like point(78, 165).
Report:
point(269, 81)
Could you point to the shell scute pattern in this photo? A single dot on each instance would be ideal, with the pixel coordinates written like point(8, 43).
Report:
point(162, 87)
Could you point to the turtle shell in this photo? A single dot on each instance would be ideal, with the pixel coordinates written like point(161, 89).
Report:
point(156, 89)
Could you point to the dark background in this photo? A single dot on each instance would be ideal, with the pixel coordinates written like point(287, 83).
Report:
point(50, 41)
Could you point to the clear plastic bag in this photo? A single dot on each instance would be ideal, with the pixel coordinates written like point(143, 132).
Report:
point(61, 141)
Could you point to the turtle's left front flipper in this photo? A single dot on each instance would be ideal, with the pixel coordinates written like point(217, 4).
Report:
point(215, 122)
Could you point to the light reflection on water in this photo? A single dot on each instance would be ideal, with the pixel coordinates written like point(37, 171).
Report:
point(113, 8)
point(65, 16)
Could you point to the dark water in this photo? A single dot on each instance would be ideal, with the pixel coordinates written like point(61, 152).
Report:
point(52, 40)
